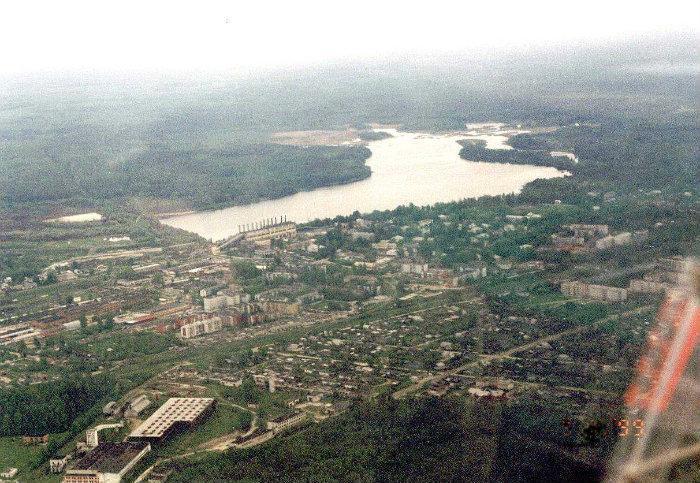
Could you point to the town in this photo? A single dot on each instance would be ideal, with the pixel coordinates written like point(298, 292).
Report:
point(210, 347)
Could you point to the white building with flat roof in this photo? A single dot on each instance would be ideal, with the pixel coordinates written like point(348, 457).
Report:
point(176, 412)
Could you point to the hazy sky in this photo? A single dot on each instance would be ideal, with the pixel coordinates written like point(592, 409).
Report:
point(125, 34)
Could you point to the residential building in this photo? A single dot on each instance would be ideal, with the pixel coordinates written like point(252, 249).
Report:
point(595, 292)
point(15, 333)
point(279, 307)
point(420, 269)
point(225, 299)
point(647, 286)
point(624, 238)
point(202, 327)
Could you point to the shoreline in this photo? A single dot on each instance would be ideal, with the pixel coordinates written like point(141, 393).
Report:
point(414, 161)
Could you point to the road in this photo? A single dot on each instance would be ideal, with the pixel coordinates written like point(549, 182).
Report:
point(224, 442)
point(219, 444)
point(486, 358)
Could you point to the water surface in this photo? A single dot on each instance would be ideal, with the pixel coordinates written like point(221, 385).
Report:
point(417, 168)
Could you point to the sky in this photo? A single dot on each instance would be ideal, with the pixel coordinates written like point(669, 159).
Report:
point(171, 35)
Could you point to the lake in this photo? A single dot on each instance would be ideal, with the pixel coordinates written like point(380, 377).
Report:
point(417, 168)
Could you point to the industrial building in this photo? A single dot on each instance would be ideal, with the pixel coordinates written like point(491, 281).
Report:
point(175, 414)
point(57, 465)
point(270, 232)
point(110, 409)
point(131, 319)
point(136, 405)
point(263, 232)
point(281, 423)
point(594, 292)
point(169, 309)
point(202, 327)
point(107, 463)
point(92, 439)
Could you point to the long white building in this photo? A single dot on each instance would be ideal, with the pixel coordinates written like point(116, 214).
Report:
point(176, 412)
point(595, 292)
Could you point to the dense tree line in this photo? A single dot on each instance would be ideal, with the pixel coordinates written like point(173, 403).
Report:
point(477, 151)
point(203, 177)
point(412, 440)
point(612, 155)
point(49, 407)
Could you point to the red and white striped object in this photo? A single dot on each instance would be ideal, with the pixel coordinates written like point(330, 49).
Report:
point(670, 347)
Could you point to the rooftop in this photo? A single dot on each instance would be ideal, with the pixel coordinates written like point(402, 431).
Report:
point(174, 410)
point(110, 457)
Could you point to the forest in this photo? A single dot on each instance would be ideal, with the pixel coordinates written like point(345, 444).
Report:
point(202, 178)
point(640, 154)
point(410, 440)
point(207, 144)
point(612, 155)
point(54, 405)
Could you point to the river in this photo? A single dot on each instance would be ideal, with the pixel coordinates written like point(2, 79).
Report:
point(417, 168)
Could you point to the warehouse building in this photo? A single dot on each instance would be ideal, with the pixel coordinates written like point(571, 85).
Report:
point(271, 231)
point(177, 413)
point(107, 463)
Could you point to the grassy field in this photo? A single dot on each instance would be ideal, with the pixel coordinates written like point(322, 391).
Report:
point(224, 420)
point(15, 454)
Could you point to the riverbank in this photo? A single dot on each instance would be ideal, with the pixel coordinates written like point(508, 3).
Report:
point(407, 168)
